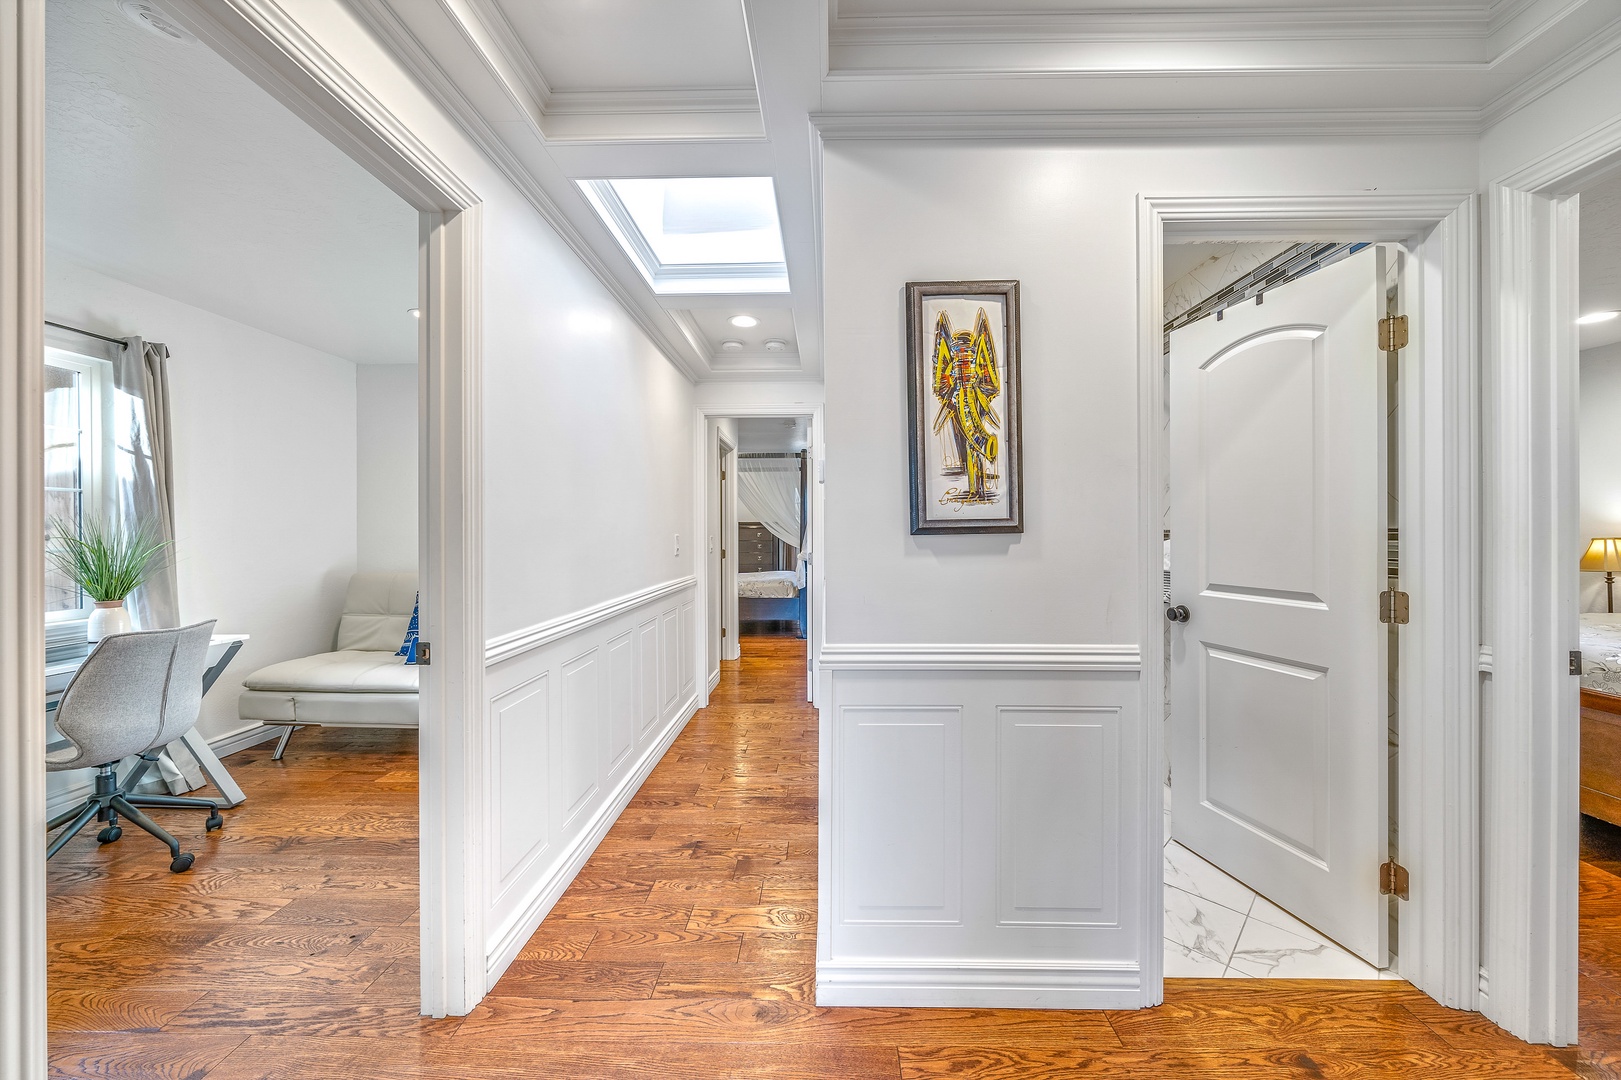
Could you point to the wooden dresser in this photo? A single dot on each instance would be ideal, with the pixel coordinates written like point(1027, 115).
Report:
point(757, 549)
point(1601, 756)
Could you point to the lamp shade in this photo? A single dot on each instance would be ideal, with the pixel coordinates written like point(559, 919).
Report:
point(1604, 553)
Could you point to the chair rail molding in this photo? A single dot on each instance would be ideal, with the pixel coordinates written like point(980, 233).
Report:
point(1439, 484)
point(22, 532)
point(960, 657)
point(260, 39)
point(1530, 792)
point(506, 646)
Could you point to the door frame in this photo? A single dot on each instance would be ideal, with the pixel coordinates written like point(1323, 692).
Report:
point(1439, 949)
point(260, 40)
point(702, 488)
point(727, 454)
point(1531, 783)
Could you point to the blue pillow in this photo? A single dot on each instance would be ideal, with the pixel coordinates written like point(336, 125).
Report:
point(409, 648)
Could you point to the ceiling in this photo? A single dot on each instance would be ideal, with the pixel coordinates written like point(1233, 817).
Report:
point(564, 91)
point(1600, 271)
point(169, 169)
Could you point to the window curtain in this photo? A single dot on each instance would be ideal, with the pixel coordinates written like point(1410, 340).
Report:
point(143, 469)
point(768, 492)
point(143, 482)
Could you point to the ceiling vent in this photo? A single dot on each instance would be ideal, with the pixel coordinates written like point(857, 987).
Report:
point(155, 21)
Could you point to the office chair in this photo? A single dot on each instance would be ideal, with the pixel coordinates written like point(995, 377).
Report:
point(134, 694)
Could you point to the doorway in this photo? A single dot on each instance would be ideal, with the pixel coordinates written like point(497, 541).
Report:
point(1439, 689)
point(760, 544)
point(1281, 717)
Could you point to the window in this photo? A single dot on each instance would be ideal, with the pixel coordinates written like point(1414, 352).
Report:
point(696, 234)
point(76, 457)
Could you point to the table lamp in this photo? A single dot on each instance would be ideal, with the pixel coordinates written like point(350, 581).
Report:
point(1604, 553)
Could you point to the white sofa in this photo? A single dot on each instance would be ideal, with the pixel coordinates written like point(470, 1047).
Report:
point(362, 684)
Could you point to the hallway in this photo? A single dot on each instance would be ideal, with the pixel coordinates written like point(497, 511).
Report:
point(684, 949)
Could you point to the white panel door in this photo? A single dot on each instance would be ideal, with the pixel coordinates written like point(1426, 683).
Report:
point(1278, 693)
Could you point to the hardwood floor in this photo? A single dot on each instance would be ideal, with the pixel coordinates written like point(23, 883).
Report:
point(685, 948)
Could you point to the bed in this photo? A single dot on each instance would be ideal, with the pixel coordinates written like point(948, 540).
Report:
point(1601, 715)
point(771, 596)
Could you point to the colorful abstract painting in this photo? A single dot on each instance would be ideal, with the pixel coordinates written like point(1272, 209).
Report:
point(964, 396)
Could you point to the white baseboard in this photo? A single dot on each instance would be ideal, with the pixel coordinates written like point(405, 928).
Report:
point(509, 941)
point(714, 680)
point(979, 985)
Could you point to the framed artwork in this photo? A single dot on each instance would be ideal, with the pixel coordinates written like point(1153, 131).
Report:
point(962, 341)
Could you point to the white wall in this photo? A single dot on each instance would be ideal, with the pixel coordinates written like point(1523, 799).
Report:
point(1600, 459)
point(265, 480)
point(957, 748)
point(386, 469)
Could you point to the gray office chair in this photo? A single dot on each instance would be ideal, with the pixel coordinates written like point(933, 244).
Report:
point(134, 694)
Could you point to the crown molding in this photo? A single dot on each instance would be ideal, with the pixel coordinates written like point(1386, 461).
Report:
point(1145, 123)
point(410, 52)
point(1569, 65)
point(671, 100)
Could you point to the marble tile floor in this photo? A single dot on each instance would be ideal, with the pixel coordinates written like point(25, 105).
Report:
point(1217, 927)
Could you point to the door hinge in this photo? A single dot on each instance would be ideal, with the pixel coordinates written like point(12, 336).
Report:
point(1393, 607)
point(424, 654)
point(723, 552)
point(1393, 879)
point(1575, 661)
point(1392, 333)
point(723, 631)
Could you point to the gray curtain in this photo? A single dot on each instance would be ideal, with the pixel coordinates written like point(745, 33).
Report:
point(144, 469)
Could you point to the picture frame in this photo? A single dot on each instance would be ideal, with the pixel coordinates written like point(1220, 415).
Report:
point(964, 407)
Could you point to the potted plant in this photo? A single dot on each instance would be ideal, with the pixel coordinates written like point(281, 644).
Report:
point(108, 563)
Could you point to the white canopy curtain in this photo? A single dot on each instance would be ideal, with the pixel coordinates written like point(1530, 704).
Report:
point(768, 491)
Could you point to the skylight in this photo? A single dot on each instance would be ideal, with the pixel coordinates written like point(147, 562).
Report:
point(697, 234)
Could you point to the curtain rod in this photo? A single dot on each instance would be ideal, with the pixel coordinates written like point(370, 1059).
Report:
point(796, 453)
point(88, 333)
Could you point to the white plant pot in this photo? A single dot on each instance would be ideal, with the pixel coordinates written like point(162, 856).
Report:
point(108, 618)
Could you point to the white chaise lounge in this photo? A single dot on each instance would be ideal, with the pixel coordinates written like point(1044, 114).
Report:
point(362, 684)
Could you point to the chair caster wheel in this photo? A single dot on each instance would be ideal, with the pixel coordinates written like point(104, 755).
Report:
point(182, 863)
point(109, 834)
point(214, 822)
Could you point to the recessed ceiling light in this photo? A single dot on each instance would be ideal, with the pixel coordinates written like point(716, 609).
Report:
point(415, 313)
point(1597, 316)
point(149, 18)
point(775, 345)
point(731, 346)
point(744, 321)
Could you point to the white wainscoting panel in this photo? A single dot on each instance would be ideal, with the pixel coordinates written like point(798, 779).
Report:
point(904, 769)
point(978, 811)
point(581, 709)
point(620, 731)
point(520, 733)
point(574, 741)
point(1059, 860)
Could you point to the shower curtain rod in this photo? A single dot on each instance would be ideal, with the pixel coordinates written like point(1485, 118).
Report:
point(797, 453)
point(86, 333)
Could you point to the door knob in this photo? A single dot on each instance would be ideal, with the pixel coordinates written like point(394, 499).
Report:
point(1179, 613)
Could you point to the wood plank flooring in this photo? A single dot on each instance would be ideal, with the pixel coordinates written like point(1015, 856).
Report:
point(684, 949)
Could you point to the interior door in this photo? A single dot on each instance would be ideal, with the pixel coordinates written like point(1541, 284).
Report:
point(1278, 693)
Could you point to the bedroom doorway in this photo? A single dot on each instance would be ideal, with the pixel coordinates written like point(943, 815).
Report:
point(1599, 517)
point(1280, 546)
point(758, 505)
